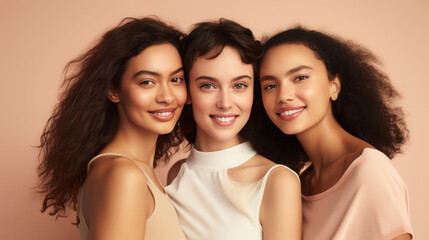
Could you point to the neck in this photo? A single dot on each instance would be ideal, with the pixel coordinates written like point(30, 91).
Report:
point(140, 145)
point(205, 143)
point(325, 144)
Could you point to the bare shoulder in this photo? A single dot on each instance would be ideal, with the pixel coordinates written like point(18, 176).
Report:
point(262, 161)
point(112, 175)
point(252, 170)
point(276, 173)
point(174, 170)
point(281, 177)
point(114, 167)
point(116, 188)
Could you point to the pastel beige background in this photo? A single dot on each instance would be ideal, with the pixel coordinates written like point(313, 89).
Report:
point(39, 37)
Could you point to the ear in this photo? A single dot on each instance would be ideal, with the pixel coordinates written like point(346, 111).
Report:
point(335, 88)
point(113, 95)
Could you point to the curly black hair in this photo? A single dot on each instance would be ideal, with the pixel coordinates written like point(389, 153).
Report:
point(365, 106)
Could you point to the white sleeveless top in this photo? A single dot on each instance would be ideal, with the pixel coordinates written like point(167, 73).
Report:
point(210, 205)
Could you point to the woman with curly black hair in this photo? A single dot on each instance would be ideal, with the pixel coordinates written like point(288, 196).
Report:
point(100, 146)
point(335, 108)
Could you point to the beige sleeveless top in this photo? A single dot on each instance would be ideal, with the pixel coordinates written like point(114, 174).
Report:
point(162, 224)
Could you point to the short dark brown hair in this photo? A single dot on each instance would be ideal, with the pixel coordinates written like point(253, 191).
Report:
point(214, 36)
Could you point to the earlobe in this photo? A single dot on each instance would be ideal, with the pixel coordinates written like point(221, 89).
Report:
point(335, 88)
point(113, 95)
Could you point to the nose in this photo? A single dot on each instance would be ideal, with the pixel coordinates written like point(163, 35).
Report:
point(165, 95)
point(224, 100)
point(286, 93)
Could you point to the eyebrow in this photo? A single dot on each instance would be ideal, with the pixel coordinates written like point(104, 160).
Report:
point(291, 71)
point(216, 80)
point(155, 73)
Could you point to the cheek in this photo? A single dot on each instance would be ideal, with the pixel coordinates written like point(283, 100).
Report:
point(181, 95)
point(200, 102)
point(269, 101)
point(137, 97)
point(309, 93)
point(317, 94)
point(245, 101)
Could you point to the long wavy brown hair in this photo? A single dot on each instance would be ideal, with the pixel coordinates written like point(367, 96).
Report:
point(85, 120)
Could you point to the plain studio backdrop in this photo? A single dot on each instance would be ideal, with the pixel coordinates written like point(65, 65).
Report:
point(39, 37)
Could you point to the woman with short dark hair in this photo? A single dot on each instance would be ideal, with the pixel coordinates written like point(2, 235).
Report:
point(225, 190)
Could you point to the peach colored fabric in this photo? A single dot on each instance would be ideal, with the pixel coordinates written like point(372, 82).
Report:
point(370, 201)
point(163, 223)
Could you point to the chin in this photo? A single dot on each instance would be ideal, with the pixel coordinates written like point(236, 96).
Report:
point(224, 137)
point(288, 130)
point(164, 131)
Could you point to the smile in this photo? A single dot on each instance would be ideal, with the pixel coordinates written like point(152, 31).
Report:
point(163, 114)
point(290, 112)
point(224, 120)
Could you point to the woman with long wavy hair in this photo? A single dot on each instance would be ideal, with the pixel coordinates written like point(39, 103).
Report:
point(332, 106)
point(115, 121)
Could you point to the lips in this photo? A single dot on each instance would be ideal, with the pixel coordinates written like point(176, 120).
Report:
point(224, 120)
point(163, 114)
point(290, 113)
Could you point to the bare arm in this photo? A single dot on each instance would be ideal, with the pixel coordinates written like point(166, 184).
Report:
point(281, 212)
point(118, 200)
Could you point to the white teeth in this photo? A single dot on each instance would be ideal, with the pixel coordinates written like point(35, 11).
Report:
point(163, 113)
point(286, 113)
point(224, 119)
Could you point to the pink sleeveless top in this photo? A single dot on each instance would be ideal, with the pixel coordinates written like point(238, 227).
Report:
point(163, 223)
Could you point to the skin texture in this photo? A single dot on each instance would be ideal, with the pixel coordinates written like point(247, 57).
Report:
point(305, 85)
point(224, 85)
point(226, 93)
point(293, 78)
point(115, 187)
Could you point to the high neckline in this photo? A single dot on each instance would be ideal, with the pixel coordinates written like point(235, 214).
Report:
point(227, 158)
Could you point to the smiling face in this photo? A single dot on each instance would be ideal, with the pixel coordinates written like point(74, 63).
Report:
point(153, 90)
point(296, 90)
point(221, 93)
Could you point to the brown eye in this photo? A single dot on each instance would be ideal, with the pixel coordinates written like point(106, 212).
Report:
point(177, 80)
point(300, 78)
point(146, 82)
point(270, 86)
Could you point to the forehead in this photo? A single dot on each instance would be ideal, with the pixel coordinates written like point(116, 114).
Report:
point(287, 56)
point(159, 57)
point(227, 63)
